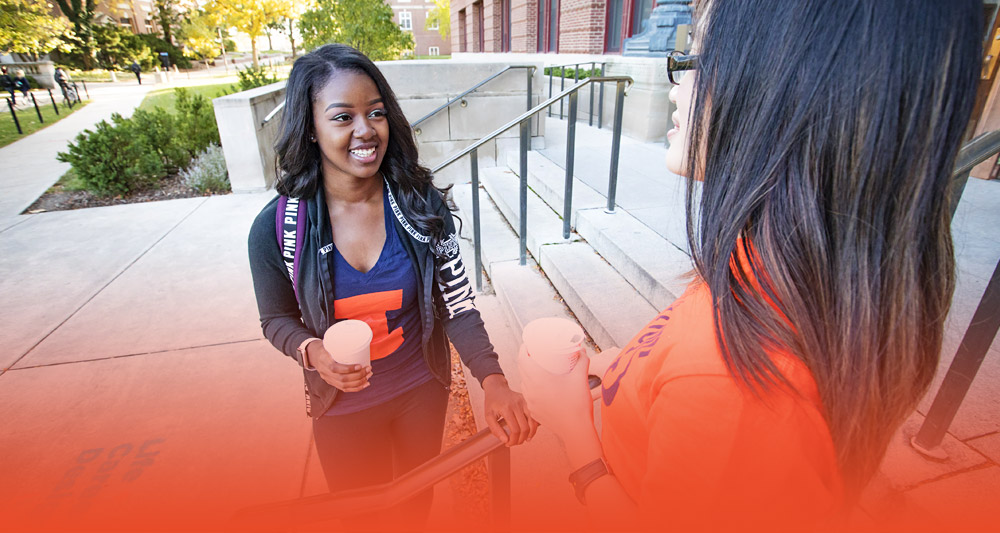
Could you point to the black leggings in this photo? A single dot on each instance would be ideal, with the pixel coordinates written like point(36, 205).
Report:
point(381, 443)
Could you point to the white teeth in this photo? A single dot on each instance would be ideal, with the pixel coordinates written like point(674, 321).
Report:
point(363, 153)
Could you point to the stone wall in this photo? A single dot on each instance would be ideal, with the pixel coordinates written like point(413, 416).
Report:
point(420, 87)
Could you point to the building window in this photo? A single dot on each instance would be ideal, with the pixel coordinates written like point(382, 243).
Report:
point(548, 25)
point(405, 20)
point(480, 22)
point(434, 25)
point(505, 25)
point(463, 45)
point(434, 51)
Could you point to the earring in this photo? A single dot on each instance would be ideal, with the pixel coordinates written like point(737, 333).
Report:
point(312, 138)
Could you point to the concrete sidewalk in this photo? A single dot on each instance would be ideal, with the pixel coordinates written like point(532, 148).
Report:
point(133, 371)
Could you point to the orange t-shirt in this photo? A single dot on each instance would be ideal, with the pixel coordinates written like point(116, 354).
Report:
point(695, 449)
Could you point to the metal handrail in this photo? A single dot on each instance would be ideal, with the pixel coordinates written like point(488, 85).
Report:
point(576, 78)
point(364, 500)
point(981, 331)
point(375, 498)
point(527, 114)
point(523, 121)
point(532, 69)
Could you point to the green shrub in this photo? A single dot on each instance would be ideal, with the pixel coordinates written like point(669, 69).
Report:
point(207, 172)
point(110, 162)
point(569, 72)
point(195, 121)
point(158, 131)
point(251, 77)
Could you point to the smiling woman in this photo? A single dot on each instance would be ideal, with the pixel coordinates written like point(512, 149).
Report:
point(375, 243)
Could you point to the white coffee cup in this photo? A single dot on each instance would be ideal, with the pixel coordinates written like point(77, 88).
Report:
point(554, 343)
point(349, 342)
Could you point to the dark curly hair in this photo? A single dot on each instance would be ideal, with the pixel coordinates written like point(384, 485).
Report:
point(298, 161)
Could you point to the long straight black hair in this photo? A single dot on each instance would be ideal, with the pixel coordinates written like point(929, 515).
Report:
point(825, 132)
point(298, 160)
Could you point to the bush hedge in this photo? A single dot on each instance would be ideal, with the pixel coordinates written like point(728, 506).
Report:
point(130, 154)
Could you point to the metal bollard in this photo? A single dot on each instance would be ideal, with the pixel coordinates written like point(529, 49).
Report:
point(84, 82)
point(10, 105)
point(53, 98)
point(39, 111)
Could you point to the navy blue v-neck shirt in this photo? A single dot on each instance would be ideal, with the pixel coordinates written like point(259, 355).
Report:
point(385, 298)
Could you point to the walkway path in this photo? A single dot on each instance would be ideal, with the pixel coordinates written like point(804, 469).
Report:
point(30, 166)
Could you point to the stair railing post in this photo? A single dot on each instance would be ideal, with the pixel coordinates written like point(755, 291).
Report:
point(570, 157)
point(616, 144)
point(590, 120)
point(600, 102)
point(499, 467)
point(476, 226)
point(523, 200)
point(549, 110)
point(971, 352)
point(530, 73)
point(562, 87)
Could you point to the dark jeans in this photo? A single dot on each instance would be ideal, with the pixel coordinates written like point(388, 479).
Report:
point(381, 443)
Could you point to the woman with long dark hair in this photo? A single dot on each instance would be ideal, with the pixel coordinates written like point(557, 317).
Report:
point(823, 134)
point(374, 240)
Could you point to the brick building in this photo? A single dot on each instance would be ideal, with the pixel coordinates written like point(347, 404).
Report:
point(137, 15)
point(546, 26)
point(411, 16)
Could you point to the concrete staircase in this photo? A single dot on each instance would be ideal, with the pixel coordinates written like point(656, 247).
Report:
point(615, 271)
point(612, 275)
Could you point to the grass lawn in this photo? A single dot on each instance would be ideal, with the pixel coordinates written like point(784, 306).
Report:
point(165, 97)
point(29, 119)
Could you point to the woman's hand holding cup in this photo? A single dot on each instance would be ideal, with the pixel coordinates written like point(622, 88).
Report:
point(348, 378)
point(344, 356)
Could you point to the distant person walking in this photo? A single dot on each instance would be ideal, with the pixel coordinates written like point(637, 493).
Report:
point(21, 83)
point(7, 84)
point(62, 79)
point(134, 67)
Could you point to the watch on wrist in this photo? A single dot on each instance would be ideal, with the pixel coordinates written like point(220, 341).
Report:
point(304, 356)
point(587, 474)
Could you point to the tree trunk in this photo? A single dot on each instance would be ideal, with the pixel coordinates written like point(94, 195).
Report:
point(291, 36)
point(253, 47)
point(270, 46)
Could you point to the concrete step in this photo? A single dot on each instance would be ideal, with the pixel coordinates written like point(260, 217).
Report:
point(650, 263)
point(610, 309)
point(548, 180)
point(606, 305)
point(544, 224)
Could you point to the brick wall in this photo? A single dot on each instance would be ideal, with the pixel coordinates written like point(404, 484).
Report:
point(524, 26)
point(581, 26)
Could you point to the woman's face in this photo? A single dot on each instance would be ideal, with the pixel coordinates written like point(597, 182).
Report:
point(682, 96)
point(351, 126)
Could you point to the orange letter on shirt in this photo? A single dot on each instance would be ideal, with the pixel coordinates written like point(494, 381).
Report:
point(371, 308)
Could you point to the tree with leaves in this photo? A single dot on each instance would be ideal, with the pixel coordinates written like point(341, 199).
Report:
point(26, 28)
point(367, 25)
point(251, 17)
point(200, 34)
point(168, 16)
point(81, 14)
point(440, 14)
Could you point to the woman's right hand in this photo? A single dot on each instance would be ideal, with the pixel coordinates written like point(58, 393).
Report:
point(348, 378)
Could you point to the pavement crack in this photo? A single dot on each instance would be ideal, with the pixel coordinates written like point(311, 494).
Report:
point(106, 285)
point(124, 356)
